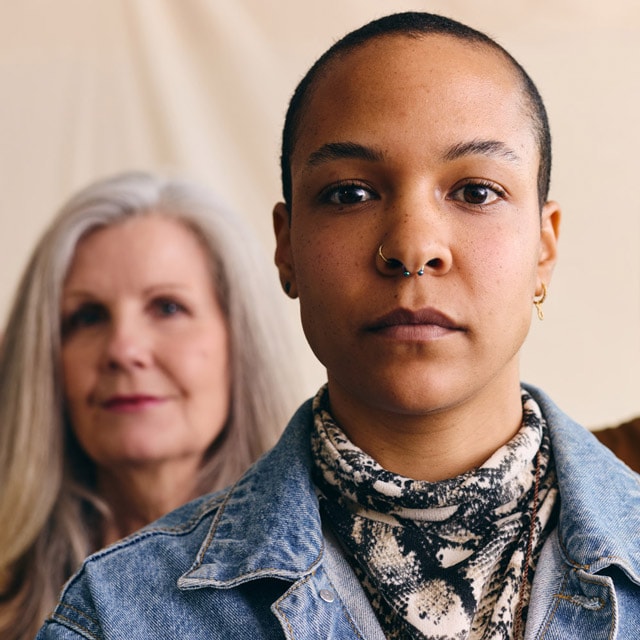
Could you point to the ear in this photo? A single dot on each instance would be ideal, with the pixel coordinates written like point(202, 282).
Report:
point(549, 232)
point(283, 257)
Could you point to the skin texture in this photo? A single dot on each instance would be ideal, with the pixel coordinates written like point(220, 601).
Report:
point(145, 363)
point(422, 145)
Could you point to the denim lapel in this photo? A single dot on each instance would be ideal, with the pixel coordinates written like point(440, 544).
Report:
point(599, 521)
point(269, 523)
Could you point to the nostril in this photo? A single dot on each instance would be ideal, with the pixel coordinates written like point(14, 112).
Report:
point(393, 263)
point(390, 266)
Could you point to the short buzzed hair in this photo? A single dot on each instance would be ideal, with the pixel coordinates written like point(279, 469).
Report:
point(413, 24)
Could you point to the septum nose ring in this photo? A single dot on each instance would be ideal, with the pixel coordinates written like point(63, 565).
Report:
point(394, 262)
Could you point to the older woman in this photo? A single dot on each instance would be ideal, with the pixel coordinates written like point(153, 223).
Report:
point(144, 363)
point(424, 492)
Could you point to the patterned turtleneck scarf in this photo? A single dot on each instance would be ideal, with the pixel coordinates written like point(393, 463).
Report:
point(440, 560)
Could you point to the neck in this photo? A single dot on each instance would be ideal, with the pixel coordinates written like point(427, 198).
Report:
point(140, 495)
point(433, 446)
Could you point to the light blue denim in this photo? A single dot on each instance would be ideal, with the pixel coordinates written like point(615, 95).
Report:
point(253, 562)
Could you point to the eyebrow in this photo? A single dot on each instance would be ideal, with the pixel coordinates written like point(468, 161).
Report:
point(353, 150)
point(83, 293)
point(341, 151)
point(491, 148)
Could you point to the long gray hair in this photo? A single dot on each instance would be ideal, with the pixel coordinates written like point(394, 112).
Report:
point(47, 512)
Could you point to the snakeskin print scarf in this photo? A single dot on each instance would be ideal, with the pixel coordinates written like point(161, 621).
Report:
point(439, 560)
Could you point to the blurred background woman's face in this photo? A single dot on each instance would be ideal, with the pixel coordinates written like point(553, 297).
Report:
point(145, 346)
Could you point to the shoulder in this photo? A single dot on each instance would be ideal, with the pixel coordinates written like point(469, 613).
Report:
point(127, 575)
point(599, 497)
point(581, 459)
point(178, 535)
point(571, 440)
point(199, 551)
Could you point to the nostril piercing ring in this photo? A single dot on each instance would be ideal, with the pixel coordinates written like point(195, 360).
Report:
point(394, 262)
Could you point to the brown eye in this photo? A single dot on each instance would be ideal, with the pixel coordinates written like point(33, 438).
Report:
point(478, 193)
point(346, 194)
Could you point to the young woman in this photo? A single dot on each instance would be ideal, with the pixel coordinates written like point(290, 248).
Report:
point(137, 372)
point(424, 492)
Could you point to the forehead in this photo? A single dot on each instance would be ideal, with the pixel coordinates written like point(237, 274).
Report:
point(436, 88)
point(148, 245)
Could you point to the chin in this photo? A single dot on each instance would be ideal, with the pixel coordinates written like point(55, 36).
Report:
point(411, 400)
point(140, 453)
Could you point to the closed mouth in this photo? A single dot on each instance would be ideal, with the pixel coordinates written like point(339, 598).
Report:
point(130, 401)
point(427, 317)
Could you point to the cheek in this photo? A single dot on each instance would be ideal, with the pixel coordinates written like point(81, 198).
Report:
point(206, 383)
point(77, 371)
point(78, 385)
point(328, 262)
point(202, 362)
point(505, 257)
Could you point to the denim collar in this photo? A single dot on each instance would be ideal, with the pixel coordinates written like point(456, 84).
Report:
point(599, 522)
point(268, 524)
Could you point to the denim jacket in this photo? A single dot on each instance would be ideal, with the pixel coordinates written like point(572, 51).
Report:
point(253, 561)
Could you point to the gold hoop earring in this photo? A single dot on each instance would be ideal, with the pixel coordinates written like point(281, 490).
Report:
point(539, 300)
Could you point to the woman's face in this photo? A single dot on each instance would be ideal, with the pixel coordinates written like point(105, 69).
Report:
point(145, 346)
point(423, 145)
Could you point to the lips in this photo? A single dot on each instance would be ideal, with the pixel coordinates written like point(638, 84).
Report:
point(420, 324)
point(133, 402)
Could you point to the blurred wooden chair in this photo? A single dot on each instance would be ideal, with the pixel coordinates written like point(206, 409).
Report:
point(624, 441)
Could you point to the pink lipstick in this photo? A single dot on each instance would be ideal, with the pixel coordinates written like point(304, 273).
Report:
point(131, 403)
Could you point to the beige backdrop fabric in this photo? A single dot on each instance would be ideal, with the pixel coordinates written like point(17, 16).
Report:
point(200, 87)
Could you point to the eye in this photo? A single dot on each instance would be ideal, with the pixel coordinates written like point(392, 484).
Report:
point(167, 307)
point(347, 193)
point(478, 193)
point(87, 315)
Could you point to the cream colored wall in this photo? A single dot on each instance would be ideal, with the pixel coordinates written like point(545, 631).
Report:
point(199, 87)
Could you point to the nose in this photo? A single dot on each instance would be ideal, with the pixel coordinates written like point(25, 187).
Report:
point(415, 241)
point(127, 345)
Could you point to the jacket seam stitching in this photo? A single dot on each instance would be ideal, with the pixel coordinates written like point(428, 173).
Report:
point(184, 529)
point(346, 613)
point(212, 530)
point(561, 596)
point(62, 619)
point(552, 613)
point(79, 611)
point(294, 587)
